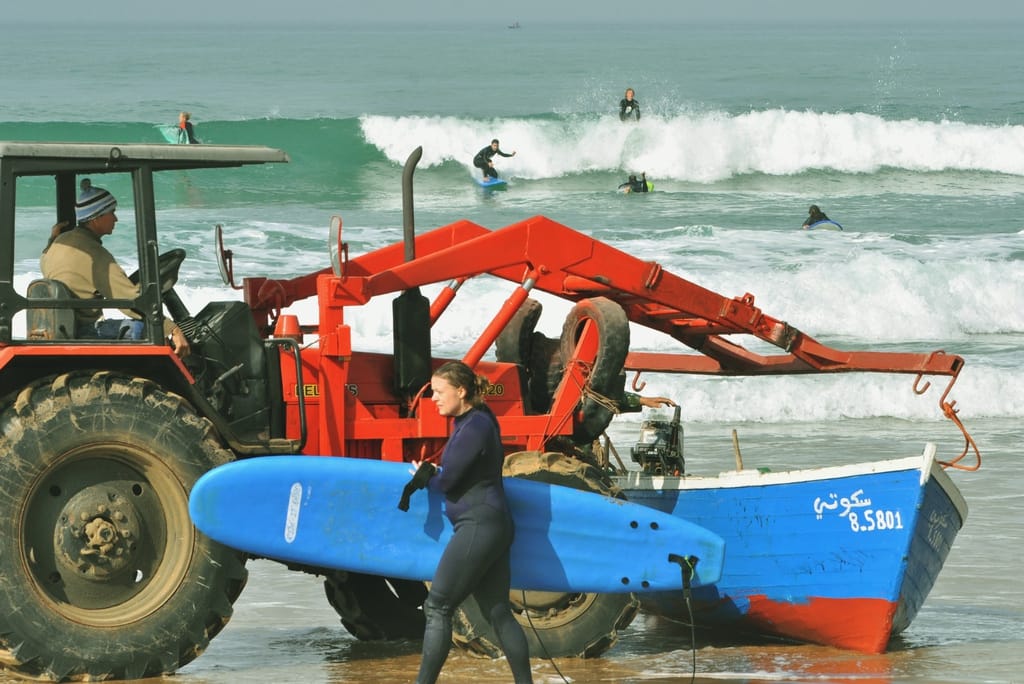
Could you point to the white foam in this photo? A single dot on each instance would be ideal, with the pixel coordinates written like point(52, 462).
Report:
point(707, 147)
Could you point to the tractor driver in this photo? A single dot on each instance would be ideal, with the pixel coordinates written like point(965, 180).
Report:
point(77, 258)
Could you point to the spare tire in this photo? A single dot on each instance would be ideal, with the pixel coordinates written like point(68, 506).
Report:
point(605, 377)
point(537, 354)
point(514, 342)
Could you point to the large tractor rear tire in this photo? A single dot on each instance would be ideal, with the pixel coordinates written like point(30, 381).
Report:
point(104, 575)
point(557, 625)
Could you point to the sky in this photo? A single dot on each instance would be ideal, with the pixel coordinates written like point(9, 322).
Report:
point(502, 12)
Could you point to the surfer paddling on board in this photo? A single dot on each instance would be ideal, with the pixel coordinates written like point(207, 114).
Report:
point(485, 162)
point(814, 215)
point(477, 560)
point(635, 184)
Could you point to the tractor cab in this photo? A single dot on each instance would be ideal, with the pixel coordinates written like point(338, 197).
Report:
point(232, 374)
point(34, 173)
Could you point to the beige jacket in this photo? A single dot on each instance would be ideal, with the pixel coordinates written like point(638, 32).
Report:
point(78, 259)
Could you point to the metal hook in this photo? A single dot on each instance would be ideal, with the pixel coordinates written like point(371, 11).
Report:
point(917, 380)
point(638, 386)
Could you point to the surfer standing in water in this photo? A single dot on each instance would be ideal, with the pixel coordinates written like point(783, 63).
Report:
point(485, 162)
point(476, 562)
point(185, 131)
point(629, 107)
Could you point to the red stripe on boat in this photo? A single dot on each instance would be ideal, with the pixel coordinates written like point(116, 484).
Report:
point(860, 624)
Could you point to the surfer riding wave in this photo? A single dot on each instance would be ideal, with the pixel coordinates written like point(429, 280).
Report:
point(484, 159)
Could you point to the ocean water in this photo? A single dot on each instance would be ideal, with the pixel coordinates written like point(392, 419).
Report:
point(911, 137)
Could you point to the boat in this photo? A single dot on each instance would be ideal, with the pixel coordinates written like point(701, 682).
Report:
point(841, 556)
point(514, 25)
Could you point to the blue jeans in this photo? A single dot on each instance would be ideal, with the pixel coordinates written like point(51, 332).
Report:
point(111, 329)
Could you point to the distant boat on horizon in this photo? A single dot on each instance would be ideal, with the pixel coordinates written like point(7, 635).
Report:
point(514, 24)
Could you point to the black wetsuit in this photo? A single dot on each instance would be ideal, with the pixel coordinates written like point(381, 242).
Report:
point(190, 134)
point(483, 158)
point(635, 185)
point(476, 561)
point(629, 108)
point(814, 217)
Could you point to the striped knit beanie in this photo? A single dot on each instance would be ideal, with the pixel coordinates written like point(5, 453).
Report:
point(94, 202)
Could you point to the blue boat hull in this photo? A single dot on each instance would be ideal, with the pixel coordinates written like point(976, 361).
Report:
point(842, 556)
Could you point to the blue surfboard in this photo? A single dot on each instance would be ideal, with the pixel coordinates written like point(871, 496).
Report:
point(827, 224)
point(493, 183)
point(343, 513)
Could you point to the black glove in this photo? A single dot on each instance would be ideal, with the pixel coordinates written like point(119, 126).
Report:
point(418, 481)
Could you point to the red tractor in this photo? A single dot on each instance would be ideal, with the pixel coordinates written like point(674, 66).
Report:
point(104, 574)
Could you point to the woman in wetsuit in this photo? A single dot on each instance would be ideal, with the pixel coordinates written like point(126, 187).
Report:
point(476, 561)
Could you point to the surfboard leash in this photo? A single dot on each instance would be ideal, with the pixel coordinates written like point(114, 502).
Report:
point(687, 565)
point(547, 656)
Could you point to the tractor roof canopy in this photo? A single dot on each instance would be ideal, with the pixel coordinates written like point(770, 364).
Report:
point(29, 158)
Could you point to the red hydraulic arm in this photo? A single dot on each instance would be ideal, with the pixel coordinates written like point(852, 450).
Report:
point(569, 264)
point(574, 266)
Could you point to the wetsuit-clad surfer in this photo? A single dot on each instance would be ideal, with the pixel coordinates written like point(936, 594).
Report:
point(476, 562)
point(629, 107)
point(635, 184)
point(186, 133)
point(483, 159)
point(814, 215)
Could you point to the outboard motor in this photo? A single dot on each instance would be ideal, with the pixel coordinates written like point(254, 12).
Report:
point(659, 451)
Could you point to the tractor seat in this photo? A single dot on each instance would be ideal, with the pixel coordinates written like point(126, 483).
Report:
point(49, 324)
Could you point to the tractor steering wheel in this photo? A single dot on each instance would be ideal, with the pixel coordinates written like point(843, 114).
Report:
point(168, 264)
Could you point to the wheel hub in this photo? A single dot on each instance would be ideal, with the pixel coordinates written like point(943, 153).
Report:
point(541, 601)
point(97, 533)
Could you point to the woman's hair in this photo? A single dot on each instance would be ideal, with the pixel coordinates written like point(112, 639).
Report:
point(458, 374)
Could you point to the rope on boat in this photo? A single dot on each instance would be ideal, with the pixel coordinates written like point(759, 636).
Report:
point(950, 410)
point(598, 398)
